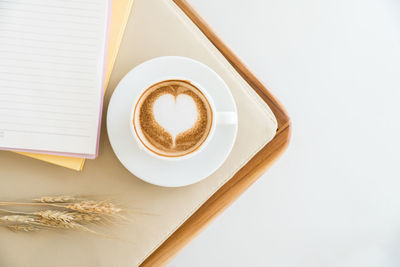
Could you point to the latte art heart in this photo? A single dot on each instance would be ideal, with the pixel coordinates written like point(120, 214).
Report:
point(176, 114)
point(173, 118)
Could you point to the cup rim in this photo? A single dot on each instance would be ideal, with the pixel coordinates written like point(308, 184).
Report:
point(177, 158)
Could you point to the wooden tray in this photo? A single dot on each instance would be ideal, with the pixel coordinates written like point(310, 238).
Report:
point(243, 178)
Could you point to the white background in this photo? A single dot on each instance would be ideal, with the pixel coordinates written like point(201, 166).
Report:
point(333, 199)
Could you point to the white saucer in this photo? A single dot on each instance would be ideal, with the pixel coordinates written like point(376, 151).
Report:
point(157, 171)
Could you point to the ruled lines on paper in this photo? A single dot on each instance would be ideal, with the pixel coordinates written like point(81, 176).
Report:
point(51, 74)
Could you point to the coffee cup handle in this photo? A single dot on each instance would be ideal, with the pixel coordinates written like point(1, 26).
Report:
point(226, 118)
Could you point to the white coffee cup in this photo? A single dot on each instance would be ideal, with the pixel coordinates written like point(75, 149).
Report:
point(218, 118)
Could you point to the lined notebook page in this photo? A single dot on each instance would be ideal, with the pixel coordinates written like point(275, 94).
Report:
point(51, 73)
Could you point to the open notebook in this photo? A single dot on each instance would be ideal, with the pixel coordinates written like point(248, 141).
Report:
point(119, 16)
point(52, 75)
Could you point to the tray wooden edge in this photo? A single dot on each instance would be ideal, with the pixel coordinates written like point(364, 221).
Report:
point(246, 176)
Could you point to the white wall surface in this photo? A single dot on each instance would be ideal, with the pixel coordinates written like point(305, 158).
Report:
point(333, 199)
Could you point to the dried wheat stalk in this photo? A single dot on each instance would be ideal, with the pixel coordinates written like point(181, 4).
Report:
point(55, 199)
point(99, 207)
point(17, 219)
point(86, 217)
point(55, 215)
point(63, 212)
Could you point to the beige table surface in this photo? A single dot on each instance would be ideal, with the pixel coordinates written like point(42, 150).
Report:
point(156, 28)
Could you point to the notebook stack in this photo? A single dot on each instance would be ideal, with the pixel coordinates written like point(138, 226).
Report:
point(57, 58)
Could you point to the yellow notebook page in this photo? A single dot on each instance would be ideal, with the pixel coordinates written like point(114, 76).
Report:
point(119, 17)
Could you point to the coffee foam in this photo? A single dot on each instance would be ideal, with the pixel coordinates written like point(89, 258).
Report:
point(187, 120)
point(168, 108)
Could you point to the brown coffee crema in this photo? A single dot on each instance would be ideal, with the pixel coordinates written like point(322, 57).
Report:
point(157, 139)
